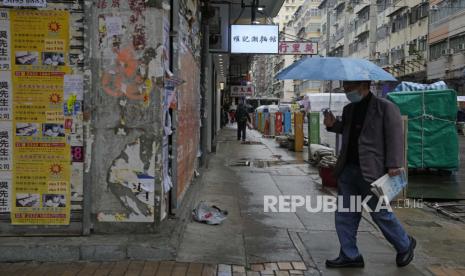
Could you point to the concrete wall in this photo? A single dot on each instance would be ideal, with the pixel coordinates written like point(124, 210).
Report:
point(126, 103)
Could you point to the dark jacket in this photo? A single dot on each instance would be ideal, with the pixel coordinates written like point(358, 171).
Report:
point(381, 141)
point(242, 115)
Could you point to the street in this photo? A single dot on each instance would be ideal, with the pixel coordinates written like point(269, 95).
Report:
point(280, 243)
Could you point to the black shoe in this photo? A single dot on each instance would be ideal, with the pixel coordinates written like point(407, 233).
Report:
point(403, 259)
point(340, 262)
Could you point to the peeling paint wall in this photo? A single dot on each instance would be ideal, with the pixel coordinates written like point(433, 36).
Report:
point(126, 171)
point(188, 109)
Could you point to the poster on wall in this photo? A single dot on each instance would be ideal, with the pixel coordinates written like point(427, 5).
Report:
point(5, 192)
point(40, 191)
point(25, 3)
point(4, 41)
point(6, 148)
point(5, 95)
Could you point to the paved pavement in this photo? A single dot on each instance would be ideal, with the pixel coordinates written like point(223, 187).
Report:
point(251, 242)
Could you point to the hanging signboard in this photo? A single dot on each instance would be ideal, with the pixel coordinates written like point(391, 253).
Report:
point(298, 48)
point(25, 3)
point(254, 39)
point(242, 90)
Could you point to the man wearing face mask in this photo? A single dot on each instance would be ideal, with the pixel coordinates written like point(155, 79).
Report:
point(372, 145)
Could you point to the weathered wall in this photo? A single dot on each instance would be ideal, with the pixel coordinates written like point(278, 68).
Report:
point(126, 171)
point(188, 108)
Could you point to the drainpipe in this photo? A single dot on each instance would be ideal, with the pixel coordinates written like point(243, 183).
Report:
point(372, 33)
point(328, 29)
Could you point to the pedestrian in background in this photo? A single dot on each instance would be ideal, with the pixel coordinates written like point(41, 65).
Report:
point(372, 145)
point(242, 117)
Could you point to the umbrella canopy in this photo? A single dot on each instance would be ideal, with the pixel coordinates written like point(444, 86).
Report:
point(334, 68)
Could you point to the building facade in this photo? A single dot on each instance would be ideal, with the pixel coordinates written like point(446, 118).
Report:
point(307, 26)
point(390, 33)
point(446, 42)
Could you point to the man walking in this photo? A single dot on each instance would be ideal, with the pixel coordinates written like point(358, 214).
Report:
point(372, 145)
point(242, 117)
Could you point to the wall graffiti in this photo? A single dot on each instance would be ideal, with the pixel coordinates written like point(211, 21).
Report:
point(129, 76)
point(128, 72)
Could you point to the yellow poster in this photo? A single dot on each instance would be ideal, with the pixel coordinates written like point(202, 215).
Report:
point(41, 152)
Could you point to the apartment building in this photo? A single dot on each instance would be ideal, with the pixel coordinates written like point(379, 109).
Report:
point(307, 26)
point(391, 33)
point(446, 41)
point(285, 19)
point(265, 67)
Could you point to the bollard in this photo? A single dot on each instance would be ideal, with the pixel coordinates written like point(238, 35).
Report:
point(279, 123)
point(287, 122)
point(299, 131)
point(272, 124)
point(266, 117)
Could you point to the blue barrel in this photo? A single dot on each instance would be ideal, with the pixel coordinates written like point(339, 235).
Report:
point(287, 122)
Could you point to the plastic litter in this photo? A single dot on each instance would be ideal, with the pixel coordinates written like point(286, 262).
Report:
point(211, 215)
point(318, 152)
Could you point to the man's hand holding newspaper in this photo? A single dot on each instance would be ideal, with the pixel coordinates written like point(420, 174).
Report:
point(389, 186)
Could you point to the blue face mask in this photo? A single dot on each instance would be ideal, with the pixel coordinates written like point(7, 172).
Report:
point(354, 96)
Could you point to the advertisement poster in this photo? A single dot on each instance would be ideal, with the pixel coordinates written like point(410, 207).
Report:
point(41, 153)
point(4, 41)
point(5, 192)
point(25, 3)
point(6, 148)
point(5, 95)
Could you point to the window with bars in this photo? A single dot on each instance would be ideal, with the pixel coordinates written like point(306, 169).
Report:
point(458, 43)
point(436, 50)
point(399, 22)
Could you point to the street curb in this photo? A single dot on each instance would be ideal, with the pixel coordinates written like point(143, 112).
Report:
point(158, 246)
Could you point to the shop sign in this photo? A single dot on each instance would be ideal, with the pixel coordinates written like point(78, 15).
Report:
point(254, 39)
point(298, 48)
point(242, 91)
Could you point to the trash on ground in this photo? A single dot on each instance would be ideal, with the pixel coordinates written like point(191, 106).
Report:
point(208, 214)
point(317, 152)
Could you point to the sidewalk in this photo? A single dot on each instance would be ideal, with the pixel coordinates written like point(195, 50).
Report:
point(251, 236)
point(249, 242)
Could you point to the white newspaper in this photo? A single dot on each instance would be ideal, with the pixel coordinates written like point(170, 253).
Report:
point(389, 186)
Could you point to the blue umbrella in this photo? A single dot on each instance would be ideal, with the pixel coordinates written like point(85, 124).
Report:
point(334, 68)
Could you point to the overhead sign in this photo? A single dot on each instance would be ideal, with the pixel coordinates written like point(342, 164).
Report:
point(242, 90)
point(254, 39)
point(25, 3)
point(298, 48)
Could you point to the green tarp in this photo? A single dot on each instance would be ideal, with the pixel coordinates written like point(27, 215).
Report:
point(432, 134)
